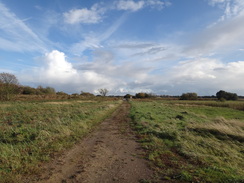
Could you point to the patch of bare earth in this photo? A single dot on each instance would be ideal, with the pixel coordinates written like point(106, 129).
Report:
point(108, 154)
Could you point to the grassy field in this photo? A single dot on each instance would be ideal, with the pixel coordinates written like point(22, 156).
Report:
point(33, 132)
point(200, 141)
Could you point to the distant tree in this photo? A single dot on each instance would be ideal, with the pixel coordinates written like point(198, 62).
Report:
point(188, 96)
point(50, 90)
point(140, 95)
point(27, 90)
point(103, 91)
point(40, 90)
point(9, 86)
point(143, 95)
point(86, 94)
point(61, 93)
point(127, 96)
point(223, 95)
point(8, 78)
point(44, 91)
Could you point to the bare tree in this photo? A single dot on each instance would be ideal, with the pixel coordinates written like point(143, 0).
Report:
point(8, 85)
point(103, 91)
point(8, 78)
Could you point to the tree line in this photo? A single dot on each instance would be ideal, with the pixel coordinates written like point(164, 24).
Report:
point(9, 87)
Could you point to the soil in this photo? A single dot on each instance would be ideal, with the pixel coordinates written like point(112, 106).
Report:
point(108, 154)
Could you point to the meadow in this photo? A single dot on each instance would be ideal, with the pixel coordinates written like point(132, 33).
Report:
point(33, 132)
point(192, 141)
point(185, 141)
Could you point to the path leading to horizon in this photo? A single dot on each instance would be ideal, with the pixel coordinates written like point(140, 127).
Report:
point(108, 154)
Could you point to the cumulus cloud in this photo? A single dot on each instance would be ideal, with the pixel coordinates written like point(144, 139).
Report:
point(56, 71)
point(84, 15)
point(202, 75)
point(206, 76)
point(57, 68)
point(102, 72)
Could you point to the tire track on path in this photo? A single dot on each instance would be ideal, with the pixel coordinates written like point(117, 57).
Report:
point(108, 154)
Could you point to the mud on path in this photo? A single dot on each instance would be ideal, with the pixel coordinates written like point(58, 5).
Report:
point(108, 154)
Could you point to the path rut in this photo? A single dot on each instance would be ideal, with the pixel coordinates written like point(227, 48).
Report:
point(108, 154)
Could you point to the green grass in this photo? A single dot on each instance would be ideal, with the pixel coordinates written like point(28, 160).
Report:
point(33, 132)
point(189, 142)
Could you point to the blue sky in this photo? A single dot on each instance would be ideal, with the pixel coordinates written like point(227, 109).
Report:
point(166, 47)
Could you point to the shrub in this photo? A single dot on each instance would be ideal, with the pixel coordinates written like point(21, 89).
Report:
point(9, 86)
point(226, 95)
point(188, 96)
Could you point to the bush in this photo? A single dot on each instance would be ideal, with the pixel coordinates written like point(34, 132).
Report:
point(128, 96)
point(223, 95)
point(142, 95)
point(86, 94)
point(26, 90)
point(9, 86)
point(188, 96)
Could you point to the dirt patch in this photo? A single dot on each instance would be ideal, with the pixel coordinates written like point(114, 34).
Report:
point(5, 105)
point(58, 103)
point(87, 101)
point(108, 154)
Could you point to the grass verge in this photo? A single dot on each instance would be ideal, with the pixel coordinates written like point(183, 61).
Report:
point(188, 143)
point(33, 132)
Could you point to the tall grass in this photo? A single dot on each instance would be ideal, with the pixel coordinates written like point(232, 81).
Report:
point(238, 105)
point(192, 143)
point(32, 132)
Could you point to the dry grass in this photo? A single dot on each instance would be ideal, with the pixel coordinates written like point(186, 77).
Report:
point(59, 103)
point(221, 128)
point(32, 132)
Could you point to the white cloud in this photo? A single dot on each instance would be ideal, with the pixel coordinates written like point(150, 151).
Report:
point(129, 5)
point(16, 35)
point(95, 14)
point(201, 68)
point(206, 76)
point(231, 8)
point(57, 68)
point(147, 52)
point(56, 71)
point(84, 15)
point(157, 3)
point(214, 2)
point(92, 41)
point(221, 37)
point(202, 75)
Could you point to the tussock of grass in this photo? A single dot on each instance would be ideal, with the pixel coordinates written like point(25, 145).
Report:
point(32, 132)
point(222, 129)
point(238, 105)
point(196, 143)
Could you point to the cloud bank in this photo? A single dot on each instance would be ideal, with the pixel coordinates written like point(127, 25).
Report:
point(203, 75)
point(95, 59)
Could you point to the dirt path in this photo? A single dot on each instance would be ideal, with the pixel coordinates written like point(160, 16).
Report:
point(109, 154)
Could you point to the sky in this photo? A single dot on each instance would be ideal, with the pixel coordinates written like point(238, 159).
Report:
point(165, 47)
